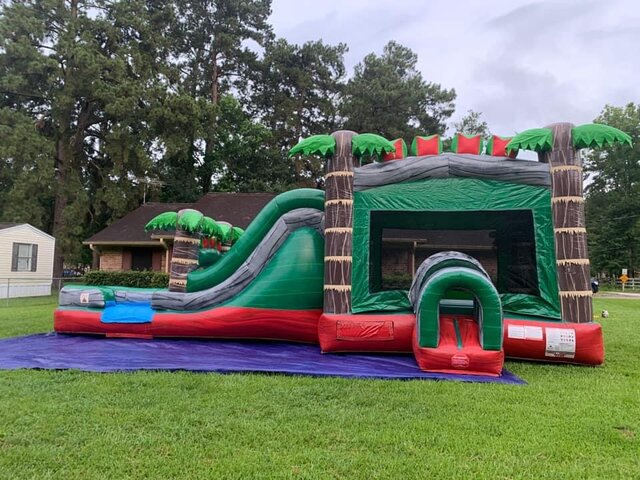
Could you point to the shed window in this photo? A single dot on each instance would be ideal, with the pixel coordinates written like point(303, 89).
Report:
point(25, 257)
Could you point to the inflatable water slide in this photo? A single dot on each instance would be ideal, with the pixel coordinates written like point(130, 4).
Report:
point(309, 268)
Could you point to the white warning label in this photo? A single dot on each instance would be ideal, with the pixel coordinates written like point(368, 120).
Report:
point(533, 333)
point(561, 343)
point(515, 331)
point(524, 333)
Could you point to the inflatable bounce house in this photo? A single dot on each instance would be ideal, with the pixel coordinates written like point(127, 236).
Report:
point(308, 268)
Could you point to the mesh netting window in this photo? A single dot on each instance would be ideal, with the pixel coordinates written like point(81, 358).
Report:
point(503, 242)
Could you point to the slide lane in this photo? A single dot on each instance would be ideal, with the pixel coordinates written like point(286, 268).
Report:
point(303, 198)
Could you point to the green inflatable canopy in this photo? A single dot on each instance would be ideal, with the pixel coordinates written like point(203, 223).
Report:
point(518, 216)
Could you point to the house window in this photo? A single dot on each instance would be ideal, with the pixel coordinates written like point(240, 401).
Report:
point(25, 257)
point(503, 241)
point(141, 259)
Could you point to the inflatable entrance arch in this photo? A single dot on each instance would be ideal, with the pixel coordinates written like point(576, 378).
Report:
point(453, 342)
point(454, 270)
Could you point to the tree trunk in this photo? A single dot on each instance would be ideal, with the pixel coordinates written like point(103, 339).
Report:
point(207, 168)
point(65, 150)
point(62, 161)
point(338, 230)
point(215, 75)
point(186, 249)
point(569, 229)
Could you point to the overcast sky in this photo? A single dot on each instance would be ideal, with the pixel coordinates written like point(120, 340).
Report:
point(523, 64)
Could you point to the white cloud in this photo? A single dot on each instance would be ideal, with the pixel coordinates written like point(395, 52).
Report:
point(522, 64)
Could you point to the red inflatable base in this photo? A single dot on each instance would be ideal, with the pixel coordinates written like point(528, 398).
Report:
point(458, 352)
point(579, 343)
point(523, 339)
point(366, 333)
point(223, 322)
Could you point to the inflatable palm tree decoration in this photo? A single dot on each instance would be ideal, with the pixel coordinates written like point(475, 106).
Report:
point(340, 148)
point(189, 226)
point(557, 145)
point(228, 235)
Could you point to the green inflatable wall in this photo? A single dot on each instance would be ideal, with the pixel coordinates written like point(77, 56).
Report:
point(475, 204)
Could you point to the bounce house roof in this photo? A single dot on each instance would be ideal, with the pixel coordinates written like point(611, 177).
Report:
point(452, 165)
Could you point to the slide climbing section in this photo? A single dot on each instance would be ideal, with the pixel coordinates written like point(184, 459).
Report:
point(452, 343)
point(269, 285)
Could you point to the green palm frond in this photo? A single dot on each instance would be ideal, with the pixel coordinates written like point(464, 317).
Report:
point(164, 221)
point(210, 228)
point(592, 135)
point(225, 231)
point(370, 144)
point(236, 233)
point(190, 220)
point(536, 139)
point(323, 145)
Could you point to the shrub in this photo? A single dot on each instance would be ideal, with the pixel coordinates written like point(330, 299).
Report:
point(397, 281)
point(143, 279)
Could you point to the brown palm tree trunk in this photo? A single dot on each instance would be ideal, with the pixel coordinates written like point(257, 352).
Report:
point(569, 226)
point(186, 249)
point(338, 231)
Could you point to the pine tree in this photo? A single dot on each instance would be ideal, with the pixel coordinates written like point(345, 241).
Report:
point(83, 72)
point(387, 95)
point(296, 93)
point(613, 196)
point(211, 40)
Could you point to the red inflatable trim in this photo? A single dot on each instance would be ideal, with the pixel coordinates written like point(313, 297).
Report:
point(466, 359)
point(428, 147)
point(222, 322)
point(366, 333)
point(398, 154)
point(469, 145)
point(530, 340)
point(499, 147)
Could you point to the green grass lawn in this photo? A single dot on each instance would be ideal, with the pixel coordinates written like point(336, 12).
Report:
point(569, 422)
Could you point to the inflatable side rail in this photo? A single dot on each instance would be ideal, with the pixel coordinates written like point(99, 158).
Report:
point(458, 343)
point(438, 261)
point(237, 255)
point(443, 272)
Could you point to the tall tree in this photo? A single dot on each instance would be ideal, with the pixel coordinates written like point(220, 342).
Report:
point(472, 124)
point(26, 170)
point(387, 95)
point(214, 54)
point(246, 163)
point(80, 71)
point(613, 196)
point(295, 93)
point(177, 124)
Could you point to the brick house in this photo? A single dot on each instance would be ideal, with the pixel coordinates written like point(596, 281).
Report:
point(124, 245)
point(404, 250)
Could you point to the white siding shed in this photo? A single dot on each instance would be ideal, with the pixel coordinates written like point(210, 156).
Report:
point(26, 261)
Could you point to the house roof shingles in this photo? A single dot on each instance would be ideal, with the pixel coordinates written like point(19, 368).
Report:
point(238, 209)
point(4, 225)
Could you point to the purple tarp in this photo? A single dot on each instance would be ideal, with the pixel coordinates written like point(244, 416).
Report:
point(96, 354)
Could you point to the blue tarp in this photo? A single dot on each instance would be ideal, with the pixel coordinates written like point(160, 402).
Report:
point(127, 312)
point(97, 354)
